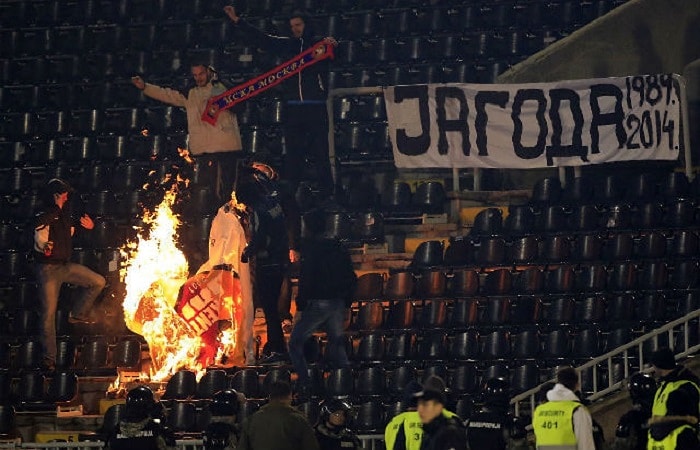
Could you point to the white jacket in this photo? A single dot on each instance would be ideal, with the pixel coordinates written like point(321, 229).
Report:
point(227, 241)
point(583, 424)
point(225, 136)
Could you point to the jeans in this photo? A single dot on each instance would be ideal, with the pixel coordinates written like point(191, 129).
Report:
point(50, 277)
point(268, 281)
point(325, 314)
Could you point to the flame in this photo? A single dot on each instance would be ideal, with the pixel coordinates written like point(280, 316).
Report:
point(153, 272)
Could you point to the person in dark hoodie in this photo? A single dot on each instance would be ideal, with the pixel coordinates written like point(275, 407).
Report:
point(439, 432)
point(332, 431)
point(306, 118)
point(326, 286)
point(677, 380)
point(632, 429)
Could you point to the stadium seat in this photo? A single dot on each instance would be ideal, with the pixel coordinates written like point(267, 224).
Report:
point(552, 219)
point(370, 347)
point(370, 382)
point(369, 317)
point(526, 310)
point(685, 275)
point(398, 378)
point(680, 213)
point(29, 355)
point(555, 248)
point(674, 185)
point(127, 354)
point(431, 346)
point(181, 386)
point(273, 376)
point(460, 252)
point(464, 313)
point(578, 191)
point(399, 347)
point(653, 275)
point(556, 344)
point(340, 382)
point(588, 247)
point(560, 310)
point(182, 417)
point(560, 280)
point(592, 278)
point(463, 379)
point(586, 343)
point(525, 376)
point(369, 417)
point(619, 247)
point(488, 222)
point(65, 353)
point(246, 382)
point(497, 311)
point(433, 314)
point(620, 308)
point(520, 220)
point(617, 216)
point(584, 218)
point(526, 344)
point(489, 251)
point(623, 276)
point(590, 309)
point(528, 281)
point(496, 345)
point(522, 250)
point(685, 243)
point(464, 346)
point(63, 387)
point(650, 307)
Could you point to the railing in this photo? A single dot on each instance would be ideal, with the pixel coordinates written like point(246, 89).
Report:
point(627, 353)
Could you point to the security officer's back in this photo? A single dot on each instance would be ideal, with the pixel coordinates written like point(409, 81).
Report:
point(138, 430)
point(492, 427)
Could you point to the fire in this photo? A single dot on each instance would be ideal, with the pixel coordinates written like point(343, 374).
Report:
point(153, 272)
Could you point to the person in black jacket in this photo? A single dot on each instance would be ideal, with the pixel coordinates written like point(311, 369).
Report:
point(632, 428)
point(676, 430)
point(141, 428)
point(53, 245)
point(306, 119)
point(439, 432)
point(326, 286)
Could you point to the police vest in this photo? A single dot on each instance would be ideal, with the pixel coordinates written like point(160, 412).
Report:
point(412, 428)
point(662, 393)
point(669, 442)
point(554, 425)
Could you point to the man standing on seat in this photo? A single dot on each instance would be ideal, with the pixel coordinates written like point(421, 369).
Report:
point(218, 146)
point(53, 245)
point(306, 119)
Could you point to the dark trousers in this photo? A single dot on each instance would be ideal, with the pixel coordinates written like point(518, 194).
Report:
point(306, 135)
point(268, 281)
point(327, 315)
point(218, 172)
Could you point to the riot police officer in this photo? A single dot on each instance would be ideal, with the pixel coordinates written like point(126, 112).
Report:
point(222, 431)
point(139, 429)
point(332, 431)
point(493, 427)
point(632, 429)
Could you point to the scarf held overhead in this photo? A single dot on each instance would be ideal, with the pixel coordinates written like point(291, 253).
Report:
point(319, 51)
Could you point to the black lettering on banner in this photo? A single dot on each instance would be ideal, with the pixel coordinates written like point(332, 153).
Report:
point(598, 118)
point(521, 97)
point(414, 145)
point(557, 96)
point(498, 98)
point(458, 125)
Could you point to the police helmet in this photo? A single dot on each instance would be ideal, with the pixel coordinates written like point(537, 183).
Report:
point(334, 405)
point(642, 387)
point(217, 436)
point(225, 403)
point(496, 391)
point(139, 402)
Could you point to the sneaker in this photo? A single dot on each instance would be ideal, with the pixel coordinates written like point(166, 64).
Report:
point(274, 358)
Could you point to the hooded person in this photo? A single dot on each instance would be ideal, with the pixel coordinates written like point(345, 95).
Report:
point(439, 432)
point(563, 422)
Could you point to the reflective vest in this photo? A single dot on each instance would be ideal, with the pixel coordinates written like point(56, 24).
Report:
point(662, 393)
point(412, 428)
point(669, 442)
point(554, 425)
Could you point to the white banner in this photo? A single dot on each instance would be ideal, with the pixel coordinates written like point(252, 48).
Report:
point(523, 126)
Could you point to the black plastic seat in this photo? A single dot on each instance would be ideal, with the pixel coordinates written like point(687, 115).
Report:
point(520, 220)
point(685, 275)
point(310, 409)
point(526, 344)
point(620, 308)
point(399, 377)
point(401, 315)
point(546, 191)
point(555, 248)
point(560, 310)
point(29, 355)
point(127, 353)
point(213, 381)
point(246, 381)
point(498, 282)
point(182, 385)
point(488, 222)
point(590, 309)
point(498, 370)
point(462, 282)
point(369, 417)
point(523, 249)
point(340, 382)
point(578, 191)
point(592, 278)
point(617, 216)
point(430, 197)
point(496, 345)
point(650, 307)
point(525, 376)
point(648, 215)
point(369, 316)
point(619, 247)
point(111, 419)
point(588, 247)
point(560, 280)
point(25, 322)
point(610, 189)
point(552, 219)
point(556, 344)
point(584, 218)
point(653, 275)
point(464, 345)
point(680, 213)
point(464, 407)
point(464, 312)
point(586, 343)
point(370, 381)
point(431, 283)
point(652, 245)
point(93, 356)
point(182, 417)
point(433, 314)
point(31, 388)
point(623, 277)
point(685, 243)
point(432, 346)
point(460, 252)
point(497, 311)
point(526, 310)
point(674, 185)
point(369, 286)
point(63, 386)
point(428, 254)
point(370, 348)
point(529, 281)
point(463, 379)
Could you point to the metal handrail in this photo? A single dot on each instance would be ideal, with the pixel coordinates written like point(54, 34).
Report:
point(635, 346)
